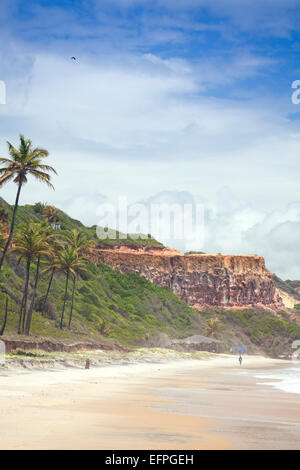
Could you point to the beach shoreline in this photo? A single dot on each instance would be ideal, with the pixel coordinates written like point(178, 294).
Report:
point(179, 404)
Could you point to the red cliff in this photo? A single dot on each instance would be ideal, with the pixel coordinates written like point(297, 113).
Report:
point(200, 280)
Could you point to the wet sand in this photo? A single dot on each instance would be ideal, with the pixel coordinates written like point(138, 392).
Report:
point(205, 404)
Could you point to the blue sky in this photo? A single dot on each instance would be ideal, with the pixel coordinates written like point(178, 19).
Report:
point(175, 96)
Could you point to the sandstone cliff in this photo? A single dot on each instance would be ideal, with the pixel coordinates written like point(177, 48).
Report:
point(201, 280)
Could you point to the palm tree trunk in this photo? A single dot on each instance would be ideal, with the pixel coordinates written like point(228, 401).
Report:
point(24, 299)
point(29, 316)
point(5, 317)
point(12, 225)
point(72, 301)
point(65, 300)
point(48, 291)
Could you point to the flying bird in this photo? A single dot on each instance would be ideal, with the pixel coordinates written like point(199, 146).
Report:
point(73, 58)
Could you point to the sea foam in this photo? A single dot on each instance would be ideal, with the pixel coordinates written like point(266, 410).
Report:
point(287, 380)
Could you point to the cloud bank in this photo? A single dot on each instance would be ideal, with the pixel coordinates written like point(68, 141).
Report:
point(190, 96)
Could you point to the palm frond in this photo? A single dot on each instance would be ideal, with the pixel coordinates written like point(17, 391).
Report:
point(25, 160)
point(43, 167)
point(6, 177)
point(13, 152)
point(40, 176)
point(6, 160)
point(38, 153)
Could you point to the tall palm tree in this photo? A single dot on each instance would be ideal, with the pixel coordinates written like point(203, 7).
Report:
point(51, 266)
point(77, 267)
point(24, 161)
point(5, 317)
point(43, 248)
point(67, 263)
point(78, 240)
point(29, 244)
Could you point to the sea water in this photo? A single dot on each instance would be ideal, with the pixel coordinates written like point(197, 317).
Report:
point(287, 379)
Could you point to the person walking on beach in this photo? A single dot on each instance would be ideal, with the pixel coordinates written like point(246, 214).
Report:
point(240, 360)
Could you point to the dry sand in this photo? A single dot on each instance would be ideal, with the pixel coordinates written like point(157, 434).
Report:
point(204, 404)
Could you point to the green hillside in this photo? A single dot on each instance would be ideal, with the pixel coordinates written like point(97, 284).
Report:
point(261, 331)
point(113, 307)
point(287, 286)
point(126, 308)
point(33, 212)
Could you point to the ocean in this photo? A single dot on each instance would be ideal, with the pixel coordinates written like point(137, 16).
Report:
point(286, 380)
point(253, 407)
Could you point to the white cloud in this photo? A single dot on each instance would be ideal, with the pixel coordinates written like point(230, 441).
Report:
point(271, 234)
point(137, 124)
point(136, 104)
point(233, 226)
point(122, 120)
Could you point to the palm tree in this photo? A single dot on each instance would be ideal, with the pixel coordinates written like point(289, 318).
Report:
point(212, 327)
point(79, 266)
point(24, 161)
point(39, 207)
point(78, 240)
point(78, 244)
point(51, 266)
point(42, 249)
point(5, 317)
point(50, 212)
point(67, 263)
point(29, 243)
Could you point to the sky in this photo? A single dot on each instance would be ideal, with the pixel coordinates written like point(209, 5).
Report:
point(168, 100)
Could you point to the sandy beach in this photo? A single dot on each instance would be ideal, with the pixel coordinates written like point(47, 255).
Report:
point(184, 404)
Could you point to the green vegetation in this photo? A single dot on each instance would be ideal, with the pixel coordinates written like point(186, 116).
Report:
point(287, 286)
point(36, 213)
point(212, 327)
point(112, 307)
point(293, 284)
point(46, 272)
point(133, 308)
point(32, 241)
point(258, 329)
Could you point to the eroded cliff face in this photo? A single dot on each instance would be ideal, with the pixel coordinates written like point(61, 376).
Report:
point(201, 280)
